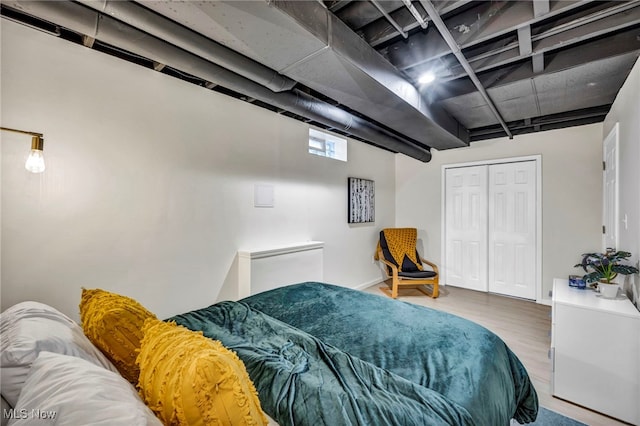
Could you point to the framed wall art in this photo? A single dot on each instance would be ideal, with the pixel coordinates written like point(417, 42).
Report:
point(361, 201)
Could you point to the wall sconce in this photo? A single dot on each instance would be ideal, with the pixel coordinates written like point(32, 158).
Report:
point(35, 161)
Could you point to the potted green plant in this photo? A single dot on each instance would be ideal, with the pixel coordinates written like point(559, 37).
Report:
point(603, 268)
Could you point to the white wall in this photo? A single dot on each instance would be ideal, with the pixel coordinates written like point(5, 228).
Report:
point(571, 192)
point(149, 183)
point(626, 111)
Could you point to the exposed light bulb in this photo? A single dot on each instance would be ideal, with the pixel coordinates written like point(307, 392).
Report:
point(35, 161)
point(427, 78)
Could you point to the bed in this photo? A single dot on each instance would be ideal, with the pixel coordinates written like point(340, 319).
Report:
point(321, 354)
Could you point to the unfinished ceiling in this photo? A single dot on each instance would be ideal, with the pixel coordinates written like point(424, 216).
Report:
point(501, 68)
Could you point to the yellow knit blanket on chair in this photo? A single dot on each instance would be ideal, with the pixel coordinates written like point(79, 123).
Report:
point(402, 242)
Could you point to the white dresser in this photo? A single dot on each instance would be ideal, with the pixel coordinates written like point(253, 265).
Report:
point(595, 349)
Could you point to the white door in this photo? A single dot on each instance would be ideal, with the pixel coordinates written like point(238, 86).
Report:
point(466, 227)
point(610, 190)
point(512, 229)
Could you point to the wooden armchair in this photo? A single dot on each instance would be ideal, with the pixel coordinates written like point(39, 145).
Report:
point(403, 264)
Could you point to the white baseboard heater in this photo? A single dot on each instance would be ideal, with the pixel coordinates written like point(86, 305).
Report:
point(273, 267)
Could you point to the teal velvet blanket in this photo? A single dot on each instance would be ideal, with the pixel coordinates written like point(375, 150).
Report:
point(326, 355)
point(460, 360)
point(302, 381)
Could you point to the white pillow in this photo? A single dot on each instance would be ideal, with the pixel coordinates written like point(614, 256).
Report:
point(30, 327)
point(4, 419)
point(75, 392)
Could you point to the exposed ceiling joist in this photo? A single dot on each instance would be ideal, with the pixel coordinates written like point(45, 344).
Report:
point(446, 7)
point(528, 125)
point(418, 17)
point(88, 41)
point(389, 19)
point(524, 40)
point(380, 31)
point(573, 32)
point(336, 5)
point(446, 35)
point(540, 8)
point(626, 42)
point(537, 62)
point(468, 30)
point(359, 14)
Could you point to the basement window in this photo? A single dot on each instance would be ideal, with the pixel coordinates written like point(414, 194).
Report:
point(327, 145)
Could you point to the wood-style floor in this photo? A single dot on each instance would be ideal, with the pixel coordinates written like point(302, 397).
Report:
point(525, 327)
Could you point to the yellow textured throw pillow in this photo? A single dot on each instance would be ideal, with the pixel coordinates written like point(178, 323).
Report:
point(189, 379)
point(114, 324)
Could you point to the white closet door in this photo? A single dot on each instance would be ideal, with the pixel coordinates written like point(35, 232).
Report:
point(512, 229)
point(466, 227)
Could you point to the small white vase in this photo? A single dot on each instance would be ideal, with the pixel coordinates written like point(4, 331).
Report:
point(609, 291)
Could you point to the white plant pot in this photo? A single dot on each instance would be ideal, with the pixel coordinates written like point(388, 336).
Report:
point(610, 291)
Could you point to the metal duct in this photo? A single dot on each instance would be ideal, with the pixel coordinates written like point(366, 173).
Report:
point(165, 29)
point(104, 28)
point(346, 65)
point(306, 42)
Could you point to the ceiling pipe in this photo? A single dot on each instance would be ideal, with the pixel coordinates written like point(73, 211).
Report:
point(163, 28)
point(455, 49)
point(94, 24)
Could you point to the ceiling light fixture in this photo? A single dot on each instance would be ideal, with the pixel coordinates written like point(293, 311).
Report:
point(35, 161)
point(427, 78)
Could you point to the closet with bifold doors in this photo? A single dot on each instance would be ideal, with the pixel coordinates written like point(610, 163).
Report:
point(492, 226)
